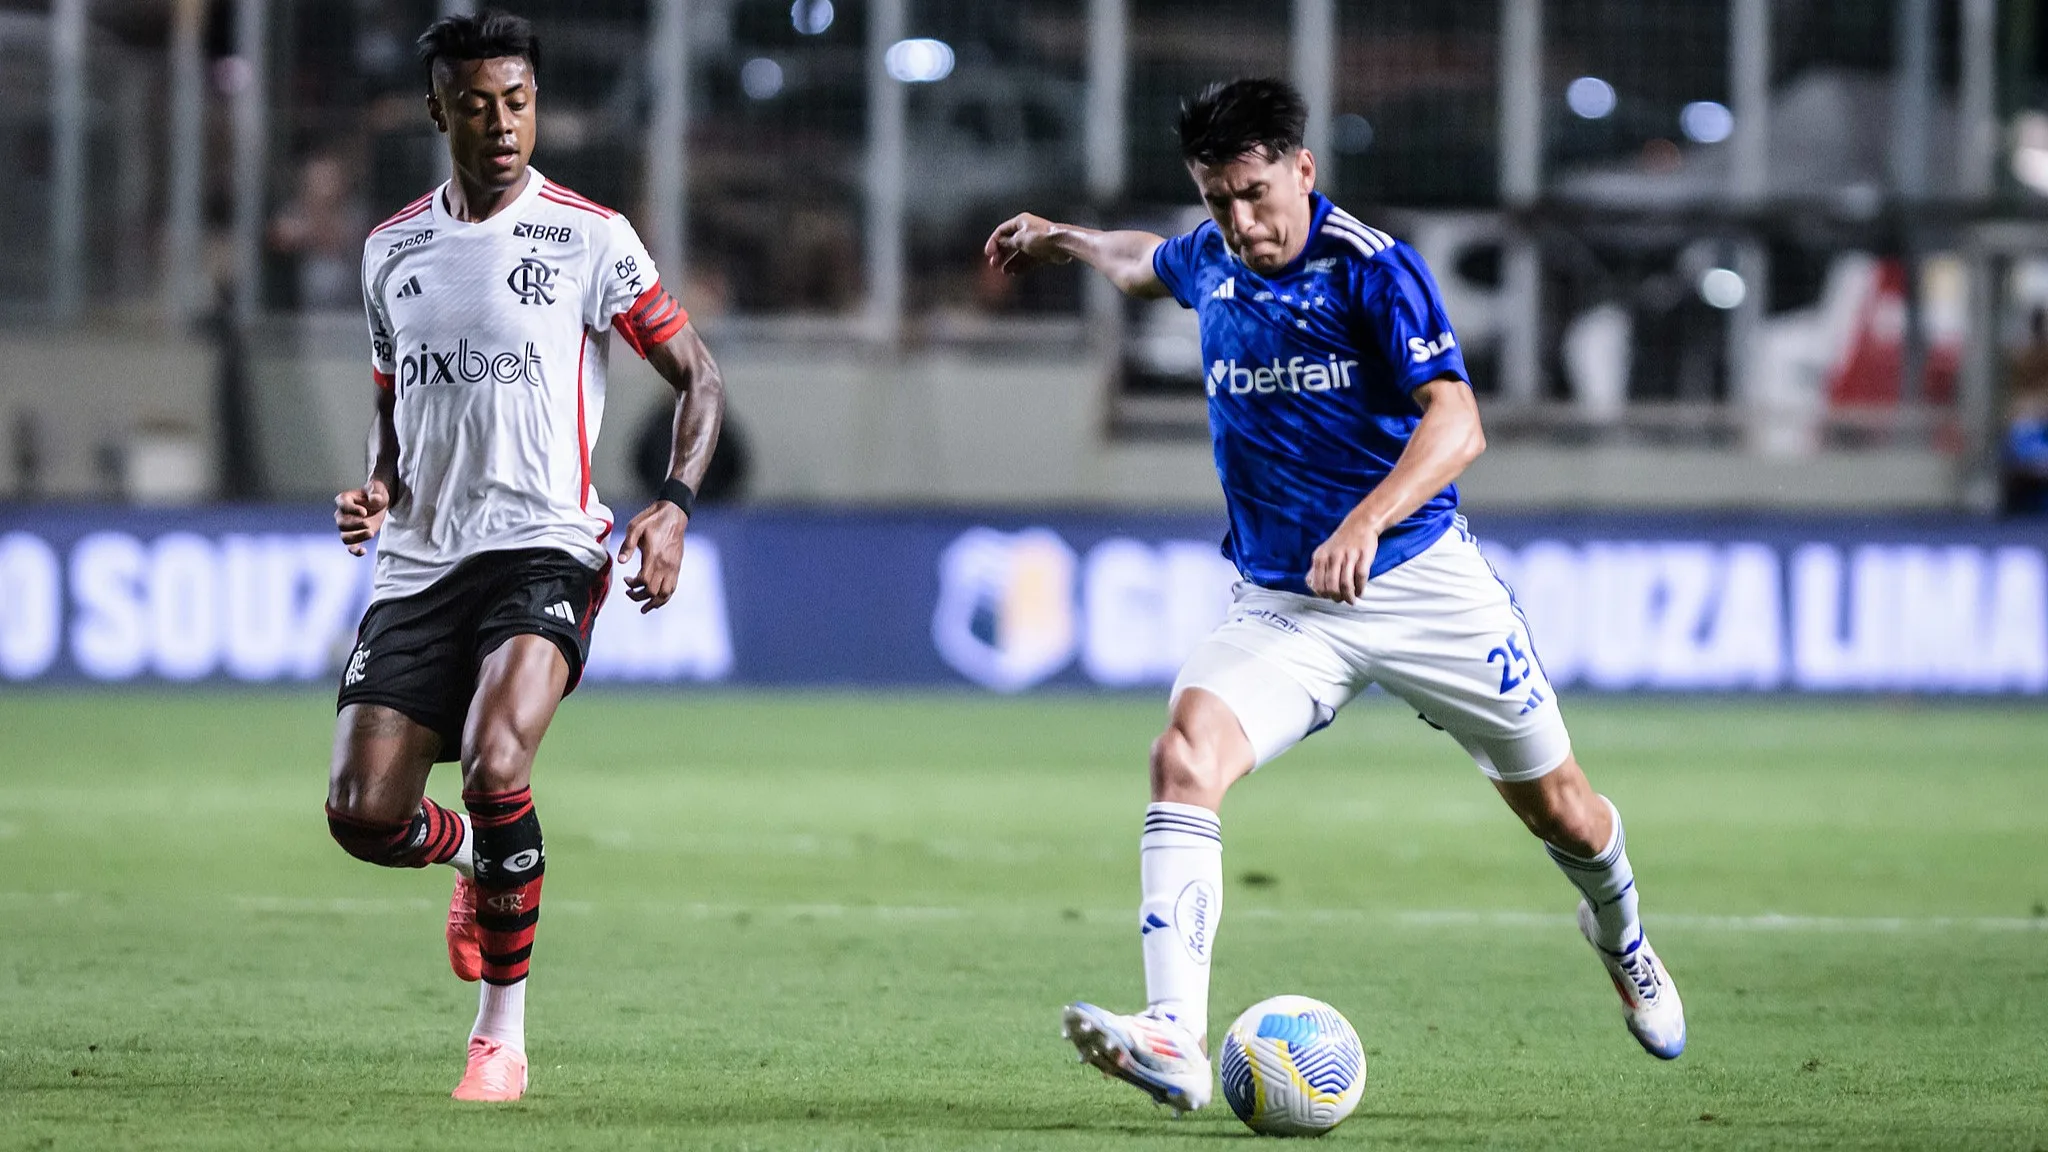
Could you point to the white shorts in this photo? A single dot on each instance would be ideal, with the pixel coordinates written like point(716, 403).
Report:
point(1441, 631)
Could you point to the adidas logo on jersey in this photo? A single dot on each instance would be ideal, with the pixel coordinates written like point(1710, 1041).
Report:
point(1297, 374)
point(560, 610)
point(410, 288)
point(1226, 290)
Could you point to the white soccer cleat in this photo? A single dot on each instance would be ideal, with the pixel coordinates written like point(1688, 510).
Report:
point(1649, 1000)
point(1151, 1053)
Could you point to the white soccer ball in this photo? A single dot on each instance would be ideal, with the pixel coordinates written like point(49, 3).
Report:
point(1292, 1066)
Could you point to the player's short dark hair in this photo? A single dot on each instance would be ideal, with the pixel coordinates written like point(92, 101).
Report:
point(488, 35)
point(1236, 118)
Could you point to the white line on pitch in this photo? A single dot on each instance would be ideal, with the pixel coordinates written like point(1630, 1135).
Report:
point(901, 913)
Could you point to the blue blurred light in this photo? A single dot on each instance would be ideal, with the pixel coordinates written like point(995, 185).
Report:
point(1590, 98)
point(811, 17)
point(1351, 133)
point(1706, 122)
point(919, 61)
point(761, 78)
point(1723, 288)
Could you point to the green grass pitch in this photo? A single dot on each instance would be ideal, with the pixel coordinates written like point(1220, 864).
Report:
point(848, 921)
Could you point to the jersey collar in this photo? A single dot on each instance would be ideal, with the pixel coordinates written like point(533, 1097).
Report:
point(500, 222)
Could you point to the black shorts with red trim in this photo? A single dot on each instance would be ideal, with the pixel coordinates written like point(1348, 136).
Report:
point(420, 655)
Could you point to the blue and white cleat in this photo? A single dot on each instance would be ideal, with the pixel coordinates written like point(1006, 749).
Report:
point(1151, 1053)
point(1649, 1000)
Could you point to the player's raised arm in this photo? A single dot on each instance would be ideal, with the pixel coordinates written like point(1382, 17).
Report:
point(657, 532)
point(1025, 241)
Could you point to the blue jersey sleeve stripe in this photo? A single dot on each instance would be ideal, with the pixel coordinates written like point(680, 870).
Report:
point(1347, 220)
point(1372, 243)
point(1353, 239)
point(1377, 239)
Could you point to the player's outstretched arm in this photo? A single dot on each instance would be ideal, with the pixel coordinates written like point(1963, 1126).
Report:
point(1447, 439)
point(1025, 241)
point(359, 512)
point(657, 532)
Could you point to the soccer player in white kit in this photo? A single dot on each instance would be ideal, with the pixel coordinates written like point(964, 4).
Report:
point(1341, 415)
point(491, 304)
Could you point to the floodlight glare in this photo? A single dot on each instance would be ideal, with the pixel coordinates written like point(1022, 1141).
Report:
point(919, 61)
point(1723, 288)
point(1706, 122)
point(761, 78)
point(1590, 98)
point(811, 17)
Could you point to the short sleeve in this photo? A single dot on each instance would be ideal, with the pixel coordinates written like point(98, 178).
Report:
point(627, 295)
point(382, 364)
point(1403, 317)
point(1175, 262)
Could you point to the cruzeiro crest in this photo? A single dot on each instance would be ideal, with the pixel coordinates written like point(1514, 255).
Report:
point(533, 281)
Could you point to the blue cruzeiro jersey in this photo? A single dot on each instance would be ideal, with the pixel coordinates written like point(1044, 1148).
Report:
point(1310, 375)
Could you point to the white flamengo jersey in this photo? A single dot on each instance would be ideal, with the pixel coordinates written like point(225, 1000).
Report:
point(495, 336)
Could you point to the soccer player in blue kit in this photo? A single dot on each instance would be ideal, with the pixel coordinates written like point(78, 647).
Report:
point(1341, 415)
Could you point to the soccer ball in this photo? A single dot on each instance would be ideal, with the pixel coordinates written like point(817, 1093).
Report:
point(1292, 1066)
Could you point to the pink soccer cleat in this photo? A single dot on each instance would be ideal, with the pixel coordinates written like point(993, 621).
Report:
point(465, 945)
point(496, 1072)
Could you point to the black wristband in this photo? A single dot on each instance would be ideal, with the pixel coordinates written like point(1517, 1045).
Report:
point(678, 493)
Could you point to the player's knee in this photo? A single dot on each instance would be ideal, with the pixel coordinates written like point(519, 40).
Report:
point(1545, 824)
point(365, 834)
point(500, 761)
point(1183, 770)
point(1567, 821)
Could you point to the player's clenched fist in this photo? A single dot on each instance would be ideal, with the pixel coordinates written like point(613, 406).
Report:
point(359, 513)
point(1340, 567)
point(657, 534)
point(1022, 241)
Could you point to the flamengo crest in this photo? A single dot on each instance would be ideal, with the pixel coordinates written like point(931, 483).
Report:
point(533, 281)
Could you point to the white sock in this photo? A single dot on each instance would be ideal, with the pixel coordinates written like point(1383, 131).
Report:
point(464, 860)
point(501, 1014)
point(1609, 885)
point(1180, 865)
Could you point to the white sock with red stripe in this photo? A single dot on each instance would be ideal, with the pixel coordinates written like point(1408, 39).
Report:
point(1180, 865)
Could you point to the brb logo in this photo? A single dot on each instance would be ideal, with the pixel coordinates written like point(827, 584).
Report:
point(533, 282)
point(553, 233)
point(470, 366)
point(1297, 374)
point(412, 241)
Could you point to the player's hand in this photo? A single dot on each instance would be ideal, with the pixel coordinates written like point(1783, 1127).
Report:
point(657, 534)
point(1023, 242)
point(1340, 567)
point(359, 513)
